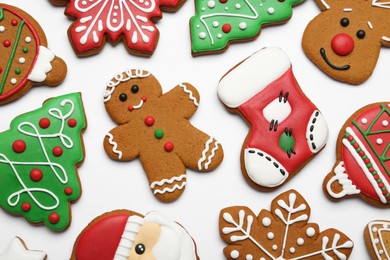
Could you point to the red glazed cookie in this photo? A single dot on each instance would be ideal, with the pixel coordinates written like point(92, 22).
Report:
point(362, 166)
point(155, 127)
point(25, 60)
point(286, 129)
point(127, 235)
point(377, 238)
point(132, 22)
point(17, 250)
point(282, 233)
point(345, 39)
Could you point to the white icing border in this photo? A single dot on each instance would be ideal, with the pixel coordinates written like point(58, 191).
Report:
point(372, 238)
point(342, 178)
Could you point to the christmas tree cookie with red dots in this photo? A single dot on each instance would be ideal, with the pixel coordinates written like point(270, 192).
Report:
point(219, 22)
point(25, 60)
point(38, 159)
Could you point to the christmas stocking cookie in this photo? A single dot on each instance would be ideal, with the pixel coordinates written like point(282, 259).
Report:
point(155, 127)
point(38, 159)
point(286, 128)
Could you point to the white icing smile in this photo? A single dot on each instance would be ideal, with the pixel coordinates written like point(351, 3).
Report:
point(141, 103)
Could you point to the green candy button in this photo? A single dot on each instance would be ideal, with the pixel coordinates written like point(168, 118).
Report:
point(18, 71)
point(159, 133)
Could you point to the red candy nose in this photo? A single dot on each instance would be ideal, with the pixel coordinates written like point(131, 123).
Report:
point(342, 44)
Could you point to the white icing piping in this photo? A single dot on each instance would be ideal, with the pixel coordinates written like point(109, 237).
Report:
point(370, 25)
point(206, 166)
point(347, 9)
point(42, 65)
point(169, 181)
point(119, 78)
point(205, 150)
point(379, 4)
point(380, 235)
point(114, 145)
point(139, 105)
point(190, 94)
point(325, 4)
point(387, 39)
point(175, 187)
point(342, 178)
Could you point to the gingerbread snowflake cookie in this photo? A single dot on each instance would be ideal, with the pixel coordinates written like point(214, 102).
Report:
point(132, 22)
point(155, 127)
point(363, 160)
point(17, 250)
point(127, 235)
point(25, 59)
point(218, 23)
point(345, 40)
point(282, 233)
point(377, 238)
point(38, 159)
point(286, 128)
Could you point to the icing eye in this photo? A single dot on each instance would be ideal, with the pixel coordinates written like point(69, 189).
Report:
point(134, 89)
point(123, 97)
point(361, 34)
point(140, 249)
point(344, 22)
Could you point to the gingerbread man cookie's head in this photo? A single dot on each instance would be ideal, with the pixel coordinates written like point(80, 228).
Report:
point(345, 39)
point(130, 91)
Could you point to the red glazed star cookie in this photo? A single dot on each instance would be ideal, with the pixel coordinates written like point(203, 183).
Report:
point(377, 238)
point(132, 22)
point(25, 60)
point(345, 39)
point(286, 128)
point(155, 127)
point(282, 233)
point(363, 158)
point(17, 250)
point(126, 235)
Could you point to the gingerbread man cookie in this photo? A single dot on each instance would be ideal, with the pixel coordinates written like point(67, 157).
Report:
point(286, 128)
point(377, 238)
point(155, 128)
point(17, 250)
point(25, 59)
point(345, 39)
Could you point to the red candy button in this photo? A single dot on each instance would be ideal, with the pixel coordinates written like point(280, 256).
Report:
point(54, 218)
point(36, 175)
point(14, 22)
point(68, 190)
point(342, 44)
point(19, 146)
point(149, 120)
point(226, 28)
point(168, 146)
point(44, 123)
point(7, 43)
point(26, 206)
point(57, 151)
point(72, 122)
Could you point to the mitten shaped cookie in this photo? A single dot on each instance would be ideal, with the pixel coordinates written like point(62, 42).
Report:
point(345, 40)
point(127, 235)
point(377, 238)
point(282, 233)
point(155, 128)
point(286, 128)
point(363, 159)
point(25, 59)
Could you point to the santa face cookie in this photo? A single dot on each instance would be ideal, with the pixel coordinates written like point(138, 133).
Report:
point(362, 166)
point(127, 235)
point(282, 233)
point(377, 238)
point(17, 249)
point(25, 60)
point(218, 23)
point(38, 159)
point(129, 21)
point(155, 128)
point(286, 129)
point(344, 40)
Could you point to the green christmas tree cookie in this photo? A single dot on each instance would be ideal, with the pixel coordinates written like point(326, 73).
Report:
point(218, 22)
point(38, 159)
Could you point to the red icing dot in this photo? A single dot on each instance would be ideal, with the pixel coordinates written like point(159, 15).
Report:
point(385, 192)
point(376, 176)
point(57, 151)
point(14, 22)
point(388, 198)
point(362, 153)
point(144, 98)
point(149, 120)
point(226, 28)
point(26, 206)
point(168, 146)
point(223, 1)
point(19, 146)
point(36, 174)
point(44, 123)
point(1, 69)
point(342, 44)
point(68, 190)
point(54, 218)
point(7, 43)
point(130, 108)
point(367, 161)
point(72, 122)
point(350, 138)
point(372, 170)
point(356, 145)
point(381, 185)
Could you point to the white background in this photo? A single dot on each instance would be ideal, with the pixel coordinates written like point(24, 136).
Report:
point(109, 185)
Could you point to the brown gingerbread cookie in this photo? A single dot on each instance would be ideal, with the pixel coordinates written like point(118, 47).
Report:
point(127, 235)
point(17, 250)
point(25, 59)
point(155, 127)
point(377, 238)
point(282, 233)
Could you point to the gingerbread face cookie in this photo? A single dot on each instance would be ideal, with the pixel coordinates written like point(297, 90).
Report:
point(17, 249)
point(38, 159)
point(129, 21)
point(377, 238)
point(286, 129)
point(155, 128)
point(345, 39)
point(282, 233)
point(127, 235)
point(217, 23)
point(25, 60)
point(362, 166)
